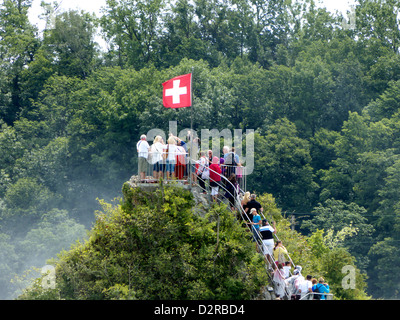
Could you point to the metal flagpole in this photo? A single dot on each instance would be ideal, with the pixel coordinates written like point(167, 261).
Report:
point(191, 131)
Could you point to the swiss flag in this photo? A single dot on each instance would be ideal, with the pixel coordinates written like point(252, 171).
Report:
point(177, 92)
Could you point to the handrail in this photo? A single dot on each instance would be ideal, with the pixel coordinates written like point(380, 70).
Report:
point(242, 174)
point(226, 190)
point(277, 239)
point(262, 213)
point(162, 162)
point(149, 177)
point(310, 296)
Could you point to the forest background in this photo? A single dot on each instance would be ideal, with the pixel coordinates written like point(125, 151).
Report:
point(322, 95)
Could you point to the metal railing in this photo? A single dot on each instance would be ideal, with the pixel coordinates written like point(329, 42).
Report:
point(183, 168)
point(314, 295)
point(157, 166)
point(239, 171)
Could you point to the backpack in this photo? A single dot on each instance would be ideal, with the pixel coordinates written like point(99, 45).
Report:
point(230, 159)
point(317, 290)
point(317, 296)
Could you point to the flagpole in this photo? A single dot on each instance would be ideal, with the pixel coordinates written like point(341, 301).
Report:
point(172, 92)
point(191, 99)
point(191, 131)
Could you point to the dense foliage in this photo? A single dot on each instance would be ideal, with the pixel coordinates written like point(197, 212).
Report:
point(323, 99)
point(154, 247)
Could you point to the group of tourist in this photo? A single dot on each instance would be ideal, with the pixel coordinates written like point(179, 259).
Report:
point(277, 256)
point(170, 160)
point(165, 158)
point(209, 171)
point(214, 172)
point(305, 288)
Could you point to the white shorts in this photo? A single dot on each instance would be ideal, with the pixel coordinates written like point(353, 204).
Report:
point(214, 191)
point(268, 246)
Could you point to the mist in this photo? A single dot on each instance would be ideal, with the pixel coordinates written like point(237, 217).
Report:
point(34, 233)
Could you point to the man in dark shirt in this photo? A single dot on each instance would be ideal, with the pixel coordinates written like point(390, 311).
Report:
point(253, 203)
point(266, 232)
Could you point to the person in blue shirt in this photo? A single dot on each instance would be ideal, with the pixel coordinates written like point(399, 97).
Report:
point(256, 222)
point(320, 287)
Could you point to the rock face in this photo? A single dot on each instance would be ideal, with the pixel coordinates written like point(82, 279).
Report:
point(203, 201)
point(267, 293)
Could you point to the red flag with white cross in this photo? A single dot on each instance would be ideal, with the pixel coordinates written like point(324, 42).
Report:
point(177, 92)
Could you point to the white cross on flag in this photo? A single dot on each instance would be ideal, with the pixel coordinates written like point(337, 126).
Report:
point(177, 92)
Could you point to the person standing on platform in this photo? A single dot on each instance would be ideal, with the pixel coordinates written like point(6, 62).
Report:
point(143, 149)
point(215, 177)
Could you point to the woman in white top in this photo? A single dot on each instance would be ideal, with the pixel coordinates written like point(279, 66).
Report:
point(203, 163)
point(157, 149)
point(170, 156)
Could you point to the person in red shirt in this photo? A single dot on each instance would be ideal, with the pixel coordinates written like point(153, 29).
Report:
point(215, 177)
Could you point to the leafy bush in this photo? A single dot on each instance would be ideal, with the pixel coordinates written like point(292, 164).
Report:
point(158, 249)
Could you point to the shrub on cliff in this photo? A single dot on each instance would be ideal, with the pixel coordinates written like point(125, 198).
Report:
point(152, 246)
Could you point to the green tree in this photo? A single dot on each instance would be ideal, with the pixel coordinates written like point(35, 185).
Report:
point(133, 27)
point(336, 182)
point(34, 77)
point(161, 250)
point(25, 201)
point(312, 87)
point(12, 149)
point(182, 39)
point(388, 212)
point(8, 264)
point(264, 40)
point(247, 84)
point(387, 104)
point(56, 105)
point(363, 151)
point(377, 20)
point(333, 264)
point(370, 177)
point(26, 194)
point(17, 48)
point(240, 24)
point(283, 166)
point(56, 231)
point(322, 148)
point(49, 165)
point(329, 257)
point(71, 43)
point(380, 75)
point(335, 216)
point(384, 257)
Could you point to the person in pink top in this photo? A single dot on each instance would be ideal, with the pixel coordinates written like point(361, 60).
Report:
point(215, 177)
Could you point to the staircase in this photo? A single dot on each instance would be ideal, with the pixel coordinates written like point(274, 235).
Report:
point(269, 292)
